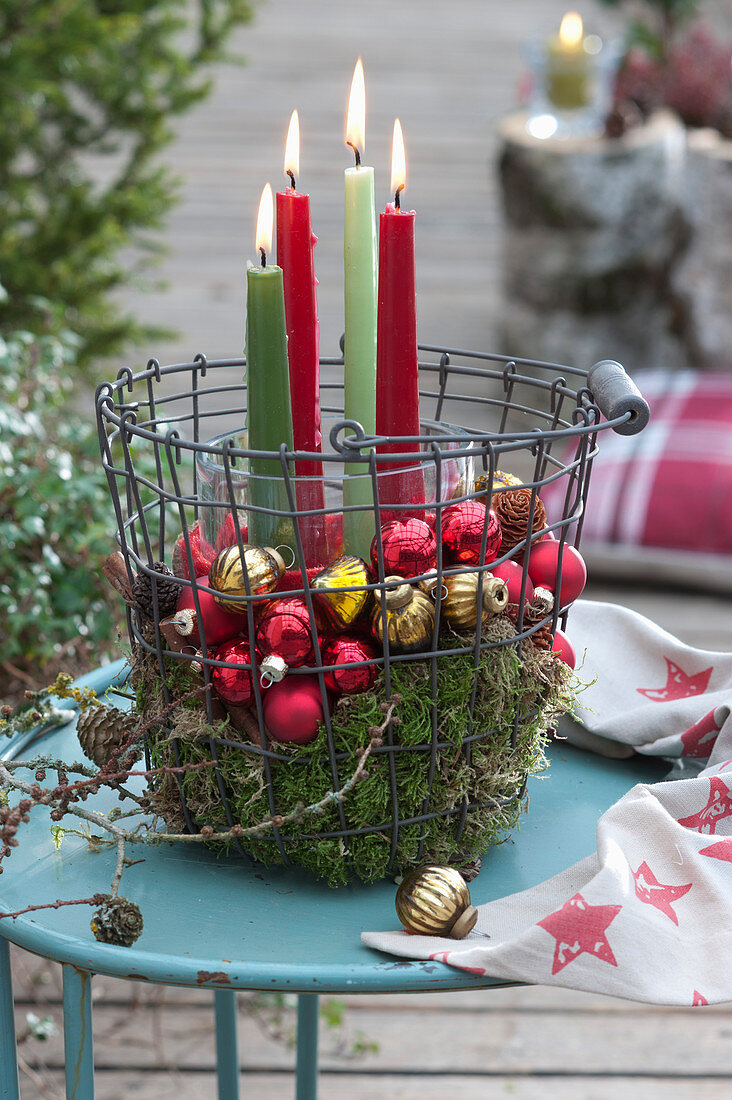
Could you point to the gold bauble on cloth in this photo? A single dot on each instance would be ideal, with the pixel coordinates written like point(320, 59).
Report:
point(265, 569)
point(341, 609)
point(459, 604)
point(435, 901)
point(410, 617)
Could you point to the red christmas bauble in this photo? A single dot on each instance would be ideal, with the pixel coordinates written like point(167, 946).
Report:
point(408, 546)
point(234, 685)
point(202, 554)
point(349, 681)
point(227, 534)
point(544, 566)
point(564, 648)
point(512, 573)
point(293, 709)
point(462, 533)
point(284, 630)
point(219, 625)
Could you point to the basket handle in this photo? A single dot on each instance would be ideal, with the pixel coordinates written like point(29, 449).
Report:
point(616, 393)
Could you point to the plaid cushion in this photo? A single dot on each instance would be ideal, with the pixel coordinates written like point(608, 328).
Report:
point(666, 493)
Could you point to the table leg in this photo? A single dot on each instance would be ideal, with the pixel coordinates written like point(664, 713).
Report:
point(78, 1042)
point(227, 1055)
point(307, 1047)
point(9, 1086)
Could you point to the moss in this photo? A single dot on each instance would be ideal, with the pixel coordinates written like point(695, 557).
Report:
point(490, 727)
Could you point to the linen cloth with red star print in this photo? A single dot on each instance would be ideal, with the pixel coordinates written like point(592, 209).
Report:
point(648, 915)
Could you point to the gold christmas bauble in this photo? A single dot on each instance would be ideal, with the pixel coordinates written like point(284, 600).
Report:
point(435, 901)
point(500, 481)
point(265, 569)
point(410, 617)
point(341, 608)
point(460, 598)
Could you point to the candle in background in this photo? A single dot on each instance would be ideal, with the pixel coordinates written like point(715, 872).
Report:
point(269, 415)
point(359, 256)
point(397, 384)
point(295, 244)
point(569, 65)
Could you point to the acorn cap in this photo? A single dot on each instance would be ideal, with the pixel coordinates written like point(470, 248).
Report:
point(464, 924)
point(399, 596)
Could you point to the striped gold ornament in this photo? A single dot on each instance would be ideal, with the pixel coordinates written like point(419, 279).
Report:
point(265, 569)
point(435, 901)
point(459, 604)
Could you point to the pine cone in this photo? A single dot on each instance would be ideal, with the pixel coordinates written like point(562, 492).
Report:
point(117, 921)
point(513, 507)
point(543, 638)
point(102, 730)
point(168, 586)
point(471, 869)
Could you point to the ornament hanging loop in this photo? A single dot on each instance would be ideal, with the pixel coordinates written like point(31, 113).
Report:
point(289, 564)
point(272, 670)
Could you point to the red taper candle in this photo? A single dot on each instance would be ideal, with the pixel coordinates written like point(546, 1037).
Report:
point(295, 245)
point(397, 384)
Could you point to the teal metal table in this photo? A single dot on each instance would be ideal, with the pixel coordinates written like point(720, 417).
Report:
point(225, 924)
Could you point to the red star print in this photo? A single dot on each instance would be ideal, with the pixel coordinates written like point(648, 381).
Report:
point(699, 999)
point(700, 737)
point(579, 928)
point(652, 892)
point(679, 684)
point(719, 806)
point(721, 850)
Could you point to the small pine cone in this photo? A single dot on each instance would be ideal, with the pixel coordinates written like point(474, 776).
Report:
point(513, 507)
point(543, 638)
point(169, 589)
point(470, 869)
point(102, 730)
point(117, 921)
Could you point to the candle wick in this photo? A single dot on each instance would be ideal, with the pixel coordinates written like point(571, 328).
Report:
point(397, 198)
point(292, 179)
point(356, 153)
point(263, 254)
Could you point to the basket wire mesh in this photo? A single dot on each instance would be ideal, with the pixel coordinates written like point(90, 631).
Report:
point(538, 417)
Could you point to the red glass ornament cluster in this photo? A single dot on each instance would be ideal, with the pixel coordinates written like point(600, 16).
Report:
point(351, 622)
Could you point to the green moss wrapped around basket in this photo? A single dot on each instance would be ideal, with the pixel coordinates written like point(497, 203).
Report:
point(473, 763)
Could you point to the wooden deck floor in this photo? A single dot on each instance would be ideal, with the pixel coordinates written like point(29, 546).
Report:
point(448, 70)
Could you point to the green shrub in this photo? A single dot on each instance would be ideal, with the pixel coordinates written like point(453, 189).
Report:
point(84, 81)
point(54, 506)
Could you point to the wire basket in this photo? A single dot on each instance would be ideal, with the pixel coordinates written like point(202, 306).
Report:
point(174, 451)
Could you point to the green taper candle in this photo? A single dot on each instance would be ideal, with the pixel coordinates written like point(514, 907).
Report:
point(269, 410)
point(360, 286)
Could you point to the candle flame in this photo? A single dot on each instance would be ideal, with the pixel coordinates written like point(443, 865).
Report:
point(570, 30)
point(265, 220)
point(292, 146)
point(356, 120)
point(398, 159)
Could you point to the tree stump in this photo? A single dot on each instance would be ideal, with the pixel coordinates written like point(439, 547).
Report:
point(595, 229)
point(705, 276)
